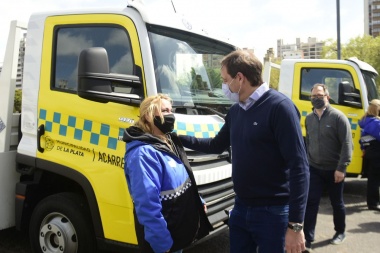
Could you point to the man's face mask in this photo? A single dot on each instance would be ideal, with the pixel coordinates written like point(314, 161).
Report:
point(318, 101)
point(234, 97)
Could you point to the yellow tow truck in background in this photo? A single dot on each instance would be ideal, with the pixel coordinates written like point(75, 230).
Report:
point(351, 85)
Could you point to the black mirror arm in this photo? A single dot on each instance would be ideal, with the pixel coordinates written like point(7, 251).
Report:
point(105, 97)
point(129, 79)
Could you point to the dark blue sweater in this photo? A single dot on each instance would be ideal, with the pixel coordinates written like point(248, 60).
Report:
point(269, 162)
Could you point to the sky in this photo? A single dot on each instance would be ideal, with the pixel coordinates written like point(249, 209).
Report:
point(256, 24)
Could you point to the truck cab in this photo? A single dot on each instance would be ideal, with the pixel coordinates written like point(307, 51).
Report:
point(351, 85)
point(85, 75)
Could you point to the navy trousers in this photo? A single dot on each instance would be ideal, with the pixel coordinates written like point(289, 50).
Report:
point(319, 180)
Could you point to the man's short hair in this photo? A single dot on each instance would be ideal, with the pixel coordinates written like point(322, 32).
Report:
point(245, 62)
point(324, 86)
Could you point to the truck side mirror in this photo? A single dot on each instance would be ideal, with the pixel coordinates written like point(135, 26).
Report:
point(96, 83)
point(348, 95)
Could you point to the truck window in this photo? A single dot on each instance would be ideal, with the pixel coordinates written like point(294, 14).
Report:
point(71, 40)
point(188, 69)
point(330, 77)
point(370, 82)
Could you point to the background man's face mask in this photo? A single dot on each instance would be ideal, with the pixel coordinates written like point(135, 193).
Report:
point(318, 103)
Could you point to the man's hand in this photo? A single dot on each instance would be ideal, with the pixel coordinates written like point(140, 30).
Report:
point(338, 176)
point(294, 241)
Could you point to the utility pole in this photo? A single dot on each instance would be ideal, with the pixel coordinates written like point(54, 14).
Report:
point(338, 27)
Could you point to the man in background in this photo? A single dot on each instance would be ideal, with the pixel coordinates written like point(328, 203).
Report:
point(329, 149)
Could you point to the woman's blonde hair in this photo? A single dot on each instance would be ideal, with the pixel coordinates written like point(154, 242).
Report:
point(373, 108)
point(148, 109)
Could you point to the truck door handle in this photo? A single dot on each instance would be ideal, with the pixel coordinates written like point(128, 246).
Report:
point(40, 132)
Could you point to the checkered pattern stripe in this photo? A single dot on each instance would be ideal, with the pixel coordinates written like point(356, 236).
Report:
point(198, 130)
point(354, 125)
point(173, 194)
point(80, 129)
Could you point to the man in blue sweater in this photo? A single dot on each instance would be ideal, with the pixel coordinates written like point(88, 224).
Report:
point(270, 170)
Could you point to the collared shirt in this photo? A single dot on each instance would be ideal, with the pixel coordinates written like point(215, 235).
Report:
point(315, 112)
point(254, 96)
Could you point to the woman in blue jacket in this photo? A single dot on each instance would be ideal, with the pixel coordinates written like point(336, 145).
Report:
point(370, 143)
point(169, 211)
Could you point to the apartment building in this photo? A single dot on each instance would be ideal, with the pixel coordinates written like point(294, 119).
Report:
point(372, 17)
point(312, 49)
point(20, 64)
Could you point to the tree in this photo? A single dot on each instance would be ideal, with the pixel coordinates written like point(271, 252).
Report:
point(365, 48)
point(214, 77)
point(17, 101)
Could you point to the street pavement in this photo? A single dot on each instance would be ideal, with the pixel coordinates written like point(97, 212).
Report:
point(362, 232)
point(362, 226)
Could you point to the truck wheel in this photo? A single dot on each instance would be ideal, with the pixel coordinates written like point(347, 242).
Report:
point(60, 223)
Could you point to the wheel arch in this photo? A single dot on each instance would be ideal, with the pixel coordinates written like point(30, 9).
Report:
point(49, 178)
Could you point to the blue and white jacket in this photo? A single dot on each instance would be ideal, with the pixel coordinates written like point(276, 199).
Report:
point(164, 192)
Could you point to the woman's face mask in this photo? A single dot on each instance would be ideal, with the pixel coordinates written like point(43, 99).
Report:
point(167, 126)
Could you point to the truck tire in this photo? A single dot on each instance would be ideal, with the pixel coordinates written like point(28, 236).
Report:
point(61, 223)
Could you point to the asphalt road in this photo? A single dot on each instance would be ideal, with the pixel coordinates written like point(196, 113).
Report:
point(363, 229)
point(362, 226)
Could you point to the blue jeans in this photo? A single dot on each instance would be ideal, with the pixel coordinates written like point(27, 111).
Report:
point(258, 229)
point(318, 180)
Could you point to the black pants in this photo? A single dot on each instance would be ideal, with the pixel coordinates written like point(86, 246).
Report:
point(372, 154)
point(144, 246)
point(319, 180)
point(373, 182)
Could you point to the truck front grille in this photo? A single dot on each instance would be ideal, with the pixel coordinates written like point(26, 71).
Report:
point(219, 197)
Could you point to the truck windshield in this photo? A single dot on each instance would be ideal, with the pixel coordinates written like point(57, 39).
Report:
point(370, 82)
point(187, 67)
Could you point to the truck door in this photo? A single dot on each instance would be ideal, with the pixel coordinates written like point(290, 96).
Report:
point(83, 136)
point(339, 78)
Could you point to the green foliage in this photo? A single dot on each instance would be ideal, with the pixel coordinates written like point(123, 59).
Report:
point(214, 77)
point(193, 73)
point(329, 51)
point(17, 101)
point(365, 48)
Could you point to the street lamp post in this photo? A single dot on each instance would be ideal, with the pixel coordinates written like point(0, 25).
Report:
point(338, 27)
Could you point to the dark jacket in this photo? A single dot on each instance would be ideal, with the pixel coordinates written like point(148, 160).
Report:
point(167, 204)
point(329, 140)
